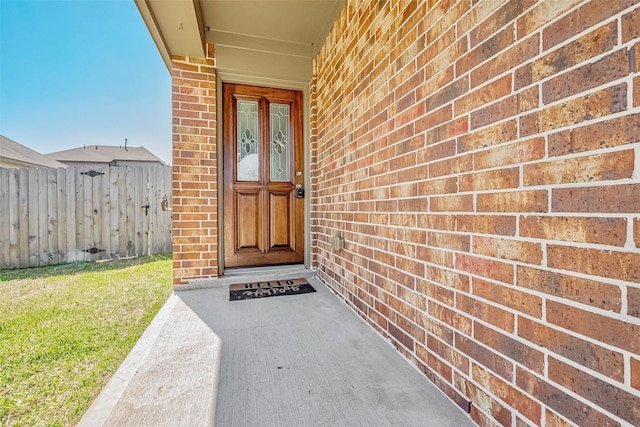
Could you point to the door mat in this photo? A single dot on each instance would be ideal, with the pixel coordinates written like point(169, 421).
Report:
point(273, 288)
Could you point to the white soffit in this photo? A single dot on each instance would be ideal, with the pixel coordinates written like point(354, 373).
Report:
point(282, 27)
point(295, 27)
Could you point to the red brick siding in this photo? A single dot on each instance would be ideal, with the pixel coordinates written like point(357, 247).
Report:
point(195, 192)
point(481, 159)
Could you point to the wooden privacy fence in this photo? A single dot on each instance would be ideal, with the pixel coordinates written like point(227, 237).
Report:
point(50, 216)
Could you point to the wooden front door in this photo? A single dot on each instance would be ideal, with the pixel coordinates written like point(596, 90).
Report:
point(263, 176)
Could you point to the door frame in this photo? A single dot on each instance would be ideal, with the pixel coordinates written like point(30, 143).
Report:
point(224, 77)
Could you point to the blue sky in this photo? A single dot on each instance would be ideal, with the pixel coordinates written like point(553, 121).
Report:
point(79, 72)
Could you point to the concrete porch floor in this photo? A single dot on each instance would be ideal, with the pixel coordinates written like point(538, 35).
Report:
point(303, 360)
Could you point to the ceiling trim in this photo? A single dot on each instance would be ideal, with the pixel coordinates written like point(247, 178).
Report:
point(243, 41)
point(234, 60)
point(195, 15)
point(152, 25)
point(176, 27)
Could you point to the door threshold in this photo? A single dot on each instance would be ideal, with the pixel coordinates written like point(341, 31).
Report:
point(250, 275)
point(263, 269)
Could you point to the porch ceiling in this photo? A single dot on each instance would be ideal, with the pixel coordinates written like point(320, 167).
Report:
point(284, 27)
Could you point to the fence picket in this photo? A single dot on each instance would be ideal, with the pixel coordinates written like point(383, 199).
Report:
point(88, 237)
point(43, 216)
point(34, 233)
point(72, 206)
point(113, 230)
point(137, 212)
point(145, 212)
point(61, 179)
point(164, 217)
point(13, 208)
point(123, 232)
point(22, 220)
point(153, 208)
point(131, 212)
point(99, 240)
point(6, 231)
point(51, 188)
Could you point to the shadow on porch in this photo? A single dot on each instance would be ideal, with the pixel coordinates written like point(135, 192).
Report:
point(304, 360)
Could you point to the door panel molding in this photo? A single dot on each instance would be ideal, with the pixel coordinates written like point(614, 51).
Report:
point(248, 232)
point(280, 220)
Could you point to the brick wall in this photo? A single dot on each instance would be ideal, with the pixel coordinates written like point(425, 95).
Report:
point(195, 196)
point(482, 160)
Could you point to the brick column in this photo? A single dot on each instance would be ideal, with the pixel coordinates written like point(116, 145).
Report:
point(195, 192)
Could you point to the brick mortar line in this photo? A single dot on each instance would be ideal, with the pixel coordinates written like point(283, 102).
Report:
point(514, 413)
point(541, 187)
point(600, 182)
point(628, 216)
point(579, 397)
point(542, 106)
point(636, 173)
point(544, 350)
point(541, 55)
point(571, 244)
point(540, 31)
point(603, 279)
point(603, 119)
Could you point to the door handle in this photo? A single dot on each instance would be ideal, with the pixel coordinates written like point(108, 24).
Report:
point(299, 191)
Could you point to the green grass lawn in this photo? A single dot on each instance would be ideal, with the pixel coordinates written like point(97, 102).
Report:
point(65, 329)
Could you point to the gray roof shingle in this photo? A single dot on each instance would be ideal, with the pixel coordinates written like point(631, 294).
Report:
point(18, 153)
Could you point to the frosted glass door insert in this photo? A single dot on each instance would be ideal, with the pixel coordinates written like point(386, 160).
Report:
point(280, 164)
point(247, 141)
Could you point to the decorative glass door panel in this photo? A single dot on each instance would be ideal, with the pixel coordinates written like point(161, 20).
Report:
point(280, 148)
point(262, 152)
point(248, 140)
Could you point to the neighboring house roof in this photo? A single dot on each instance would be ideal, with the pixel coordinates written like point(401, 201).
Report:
point(13, 154)
point(105, 154)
